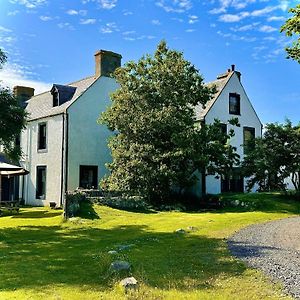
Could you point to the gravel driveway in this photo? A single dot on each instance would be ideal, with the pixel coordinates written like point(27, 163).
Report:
point(274, 248)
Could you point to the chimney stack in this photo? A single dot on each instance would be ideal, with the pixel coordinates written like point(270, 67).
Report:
point(23, 93)
point(106, 62)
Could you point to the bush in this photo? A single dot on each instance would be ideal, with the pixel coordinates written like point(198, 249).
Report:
point(72, 203)
point(122, 202)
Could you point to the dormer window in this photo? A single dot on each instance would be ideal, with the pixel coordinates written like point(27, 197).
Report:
point(55, 96)
point(234, 104)
point(61, 94)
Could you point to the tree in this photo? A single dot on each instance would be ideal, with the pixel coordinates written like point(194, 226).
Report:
point(157, 145)
point(12, 119)
point(275, 157)
point(292, 28)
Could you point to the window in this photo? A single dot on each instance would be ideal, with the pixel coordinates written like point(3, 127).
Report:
point(55, 98)
point(234, 104)
point(42, 136)
point(88, 177)
point(249, 136)
point(41, 182)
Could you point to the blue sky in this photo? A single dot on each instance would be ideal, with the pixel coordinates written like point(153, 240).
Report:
point(53, 41)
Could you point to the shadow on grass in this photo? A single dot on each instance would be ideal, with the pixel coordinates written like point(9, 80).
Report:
point(37, 214)
point(87, 211)
point(37, 256)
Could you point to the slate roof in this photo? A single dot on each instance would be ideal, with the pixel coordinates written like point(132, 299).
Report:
point(220, 83)
point(41, 105)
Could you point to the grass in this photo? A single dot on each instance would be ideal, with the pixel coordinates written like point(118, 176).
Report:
point(42, 257)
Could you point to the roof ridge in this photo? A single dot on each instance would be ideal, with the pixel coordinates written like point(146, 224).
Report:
point(88, 77)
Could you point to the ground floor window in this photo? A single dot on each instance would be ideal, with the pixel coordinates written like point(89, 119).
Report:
point(41, 172)
point(234, 182)
point(88, 177)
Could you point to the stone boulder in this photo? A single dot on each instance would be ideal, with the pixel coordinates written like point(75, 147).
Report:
point(120, 265)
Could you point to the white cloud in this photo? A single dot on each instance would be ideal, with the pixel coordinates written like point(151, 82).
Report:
point(127, 13)
point(193, 19)
point(74, 12)
point(13, 74)
point(190, 30)
point(5, 29)
point(275, 18)
point(129, 32)
point(108, 4)
point(87, 21)
point(267, 28)
point(45, 18)
point(155, 22)
point(65, 25)
point(29, 3)
point(13, 13)
point(175, 6)
point(109, 28)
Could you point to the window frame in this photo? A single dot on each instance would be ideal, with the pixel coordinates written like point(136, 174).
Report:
point(38, 194)
point(94, 168)
point(237, 96)
point(39, 149)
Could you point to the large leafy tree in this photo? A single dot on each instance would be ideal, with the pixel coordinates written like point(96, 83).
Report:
point(275, 157)
point(292, 29)
point(157, 144)
point(12, 119)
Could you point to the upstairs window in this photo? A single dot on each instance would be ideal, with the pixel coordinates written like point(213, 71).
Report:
point(249, 136)
point(42, 136)
point(234, 104)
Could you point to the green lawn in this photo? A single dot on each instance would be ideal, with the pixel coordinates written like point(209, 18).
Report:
point(42, 257)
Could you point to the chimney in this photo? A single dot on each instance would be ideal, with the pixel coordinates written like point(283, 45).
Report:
point(23, 93)
point(106, 62)
point(232, 68)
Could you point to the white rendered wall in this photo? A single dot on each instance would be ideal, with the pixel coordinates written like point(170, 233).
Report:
point(87, 140)
point(248, 118)
point(51, 157)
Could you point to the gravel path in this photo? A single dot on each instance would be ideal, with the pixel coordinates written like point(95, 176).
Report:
point(274, 248)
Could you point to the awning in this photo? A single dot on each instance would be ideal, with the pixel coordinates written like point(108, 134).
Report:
point(11, 170)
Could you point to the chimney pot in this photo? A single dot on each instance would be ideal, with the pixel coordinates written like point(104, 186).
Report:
point(106, 62)
point(232, 68)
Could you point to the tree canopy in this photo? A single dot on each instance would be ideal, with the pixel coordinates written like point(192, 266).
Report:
point(292, 29)
point(12, 119)
point(275, 157)
point(157, 144)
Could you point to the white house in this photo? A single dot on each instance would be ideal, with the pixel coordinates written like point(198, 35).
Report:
point(230, 101)
point(63, 146)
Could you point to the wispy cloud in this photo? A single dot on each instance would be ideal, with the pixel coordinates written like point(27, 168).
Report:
point(175, 6)
point(13, 13)
point(31, 4)
point(46, 18)
point(193, 19)
point(4, 29)
point(109, 28)
point(155, 22)
point(108, 4)
point(267, 28)
point(87, 21)
point(276, 18)
point(74, 12)
point(13, 74)
point(65, 25)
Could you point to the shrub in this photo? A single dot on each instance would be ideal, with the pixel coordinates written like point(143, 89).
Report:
point(72, 203)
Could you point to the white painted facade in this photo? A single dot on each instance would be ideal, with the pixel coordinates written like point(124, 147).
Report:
point(247, 118)
point(87, 140)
